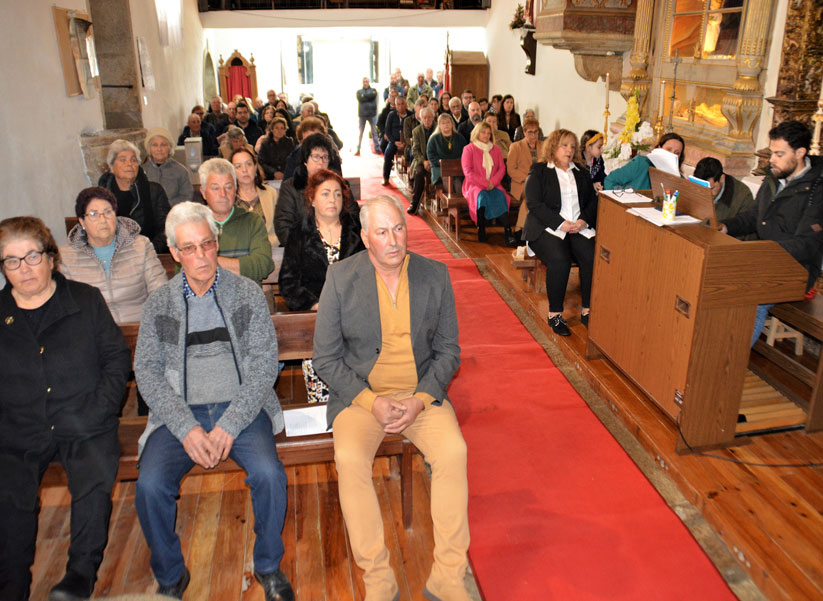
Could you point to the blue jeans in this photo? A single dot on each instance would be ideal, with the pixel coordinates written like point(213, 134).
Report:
point(760, 320)
point(388, 159)
point(372, 121)
point(163, 464)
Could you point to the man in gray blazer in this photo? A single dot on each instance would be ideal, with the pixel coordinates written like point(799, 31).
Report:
point(386, 344)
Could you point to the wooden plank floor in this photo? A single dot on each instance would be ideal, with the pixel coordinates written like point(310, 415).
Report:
point(771, 518)
point(215, 525)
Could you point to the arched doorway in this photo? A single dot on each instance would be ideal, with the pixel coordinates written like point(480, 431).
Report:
point(209, 78)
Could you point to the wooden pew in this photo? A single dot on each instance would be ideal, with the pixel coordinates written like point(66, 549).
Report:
point(295, 340)
point(806, 316)
point(451, 203)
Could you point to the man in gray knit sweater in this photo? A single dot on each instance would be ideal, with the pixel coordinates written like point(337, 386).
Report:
point(206, 362)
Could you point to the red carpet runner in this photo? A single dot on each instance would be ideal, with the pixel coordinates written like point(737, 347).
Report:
point(558, 511)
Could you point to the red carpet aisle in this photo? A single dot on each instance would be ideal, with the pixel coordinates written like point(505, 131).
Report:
point(558, 511)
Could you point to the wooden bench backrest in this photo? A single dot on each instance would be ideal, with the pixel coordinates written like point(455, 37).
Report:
point(295, 334)
point(449, 169)
point(354, 184)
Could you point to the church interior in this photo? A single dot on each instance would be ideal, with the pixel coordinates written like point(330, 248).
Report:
point(587, 480)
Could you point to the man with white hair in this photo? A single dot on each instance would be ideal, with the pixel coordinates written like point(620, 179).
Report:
point(244, 243)
point(206, 363)
point(402, 305)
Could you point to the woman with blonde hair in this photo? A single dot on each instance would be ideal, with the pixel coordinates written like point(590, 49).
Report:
point(483, 170)
point(560, 224)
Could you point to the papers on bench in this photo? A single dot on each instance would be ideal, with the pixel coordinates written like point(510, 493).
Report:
point(655, 216)
point(626, 197)
point(305, 421)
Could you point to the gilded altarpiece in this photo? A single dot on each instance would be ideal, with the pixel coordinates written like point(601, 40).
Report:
point(699, 67)
point(801, 65)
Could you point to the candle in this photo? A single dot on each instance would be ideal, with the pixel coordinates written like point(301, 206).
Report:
point(607, 88)
point(662, 93)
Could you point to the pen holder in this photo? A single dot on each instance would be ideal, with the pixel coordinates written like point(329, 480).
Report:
point(669, 210)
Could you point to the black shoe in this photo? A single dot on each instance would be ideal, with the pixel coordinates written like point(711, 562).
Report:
point(385, 182)
point(73, 587)
point(176, 590)
point(584, 319)
point(275, 585)
point(511, 241)
point(559, 326)
point(412, 210)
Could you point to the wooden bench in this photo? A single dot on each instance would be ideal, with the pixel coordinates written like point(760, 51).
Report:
point(295, 340)
point(807, 317)
point(450, 202)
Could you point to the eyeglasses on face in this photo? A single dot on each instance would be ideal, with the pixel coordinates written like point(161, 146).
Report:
point(95, 215)
point(319, 158)
point(33, 257)
point(190, 249)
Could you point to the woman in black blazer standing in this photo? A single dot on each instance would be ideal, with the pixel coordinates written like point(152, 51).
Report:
point(560, 224)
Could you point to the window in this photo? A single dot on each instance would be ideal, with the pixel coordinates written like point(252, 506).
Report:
point(706, 29)
point(170, 22)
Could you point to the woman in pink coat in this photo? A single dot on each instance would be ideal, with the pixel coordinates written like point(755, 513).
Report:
point(483, 170)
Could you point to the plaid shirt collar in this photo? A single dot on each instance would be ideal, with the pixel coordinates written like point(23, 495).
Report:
point(188, 292)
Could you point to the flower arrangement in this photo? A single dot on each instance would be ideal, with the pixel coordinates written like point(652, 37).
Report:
point(634, 138)
point(519, 19)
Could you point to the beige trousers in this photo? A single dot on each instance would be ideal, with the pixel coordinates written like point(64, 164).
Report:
point(522, 211)
point(357, 435)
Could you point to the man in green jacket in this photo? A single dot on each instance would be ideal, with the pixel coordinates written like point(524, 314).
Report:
point(731, 196)
point(244, 246)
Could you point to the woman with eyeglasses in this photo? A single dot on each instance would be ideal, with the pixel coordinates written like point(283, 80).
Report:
point(137, 197)
point(63, 365)
point(522, 155)
point(316, 152)
point(108, 252)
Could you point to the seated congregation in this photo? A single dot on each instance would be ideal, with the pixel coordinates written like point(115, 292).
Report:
point(189, 266)
point(206, 356)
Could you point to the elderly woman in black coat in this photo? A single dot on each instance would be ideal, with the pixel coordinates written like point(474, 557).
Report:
point(63, 365)
point(328, 232)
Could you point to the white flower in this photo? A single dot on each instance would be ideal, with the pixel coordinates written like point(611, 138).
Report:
point(625, 152)
point(646, 131)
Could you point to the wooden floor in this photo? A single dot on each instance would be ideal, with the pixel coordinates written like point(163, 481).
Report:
point(215, 524)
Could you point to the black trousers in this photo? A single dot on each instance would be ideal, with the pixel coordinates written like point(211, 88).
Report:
point(556, 255)
point(91, 467)
point(418, 185)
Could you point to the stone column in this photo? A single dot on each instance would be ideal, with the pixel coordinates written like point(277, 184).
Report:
point(742, 105)
point(638, 79)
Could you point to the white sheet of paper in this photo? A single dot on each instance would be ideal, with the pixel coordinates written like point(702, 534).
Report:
point(304, 421)
point(665, 161)
point(656, 217)
point(626, 197)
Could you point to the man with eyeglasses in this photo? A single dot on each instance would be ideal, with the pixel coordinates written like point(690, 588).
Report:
point(244, 242)
point(206, 363)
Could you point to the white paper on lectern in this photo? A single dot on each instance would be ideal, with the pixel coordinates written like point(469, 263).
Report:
point(654, 216)
point(305, 421)
point(626, 197)
point(665, 161)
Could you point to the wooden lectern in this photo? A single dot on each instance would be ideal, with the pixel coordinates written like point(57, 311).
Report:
point(674, 307)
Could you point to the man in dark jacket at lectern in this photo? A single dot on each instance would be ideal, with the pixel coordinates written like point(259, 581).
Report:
point(789, 204)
